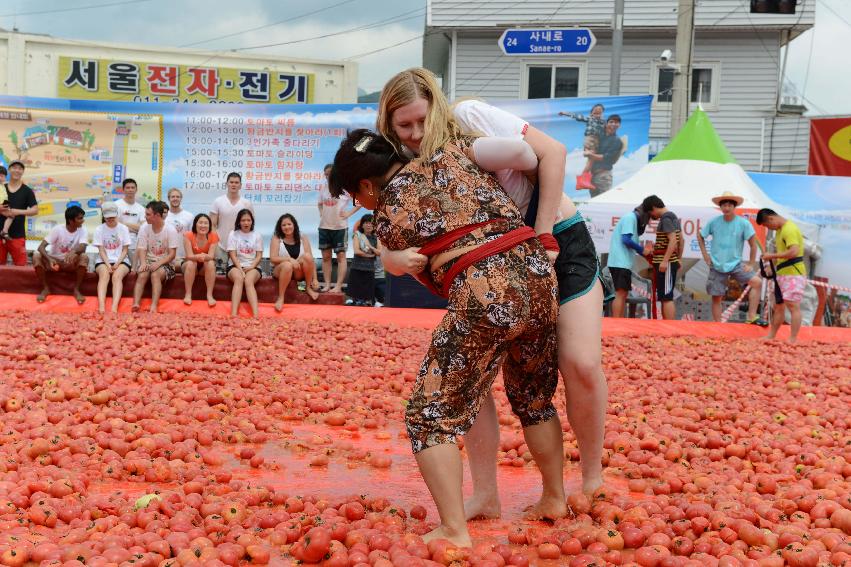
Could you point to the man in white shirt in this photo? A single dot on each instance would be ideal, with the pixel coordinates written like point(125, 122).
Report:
point(64, 250)
point(156, 249)
point(223, 213)
point(333, 234)
point(130, 213)
point(178, 218)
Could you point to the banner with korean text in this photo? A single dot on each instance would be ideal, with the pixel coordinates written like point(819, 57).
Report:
point(79, 151)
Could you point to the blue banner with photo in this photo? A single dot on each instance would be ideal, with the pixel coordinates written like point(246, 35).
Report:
point(79, 151)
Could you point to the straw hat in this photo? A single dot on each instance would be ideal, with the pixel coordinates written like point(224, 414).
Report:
point(728, 196)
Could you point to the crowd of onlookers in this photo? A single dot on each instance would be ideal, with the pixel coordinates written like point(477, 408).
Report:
point(159, 239)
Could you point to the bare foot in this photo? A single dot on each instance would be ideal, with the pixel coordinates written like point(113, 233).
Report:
point(134, 309)
point(768, 338)
point(187, 299)
point(211, 302)
point(324, 288)
point(279, 305)
point(793, 340)
point(314, 285)
point(336, 289)
point(314, 295)
point(81, 299)
point(453, 536)
point(482, 508)
point(153, 309)
point(43, 295)
point(546, 509)
point(591, 485)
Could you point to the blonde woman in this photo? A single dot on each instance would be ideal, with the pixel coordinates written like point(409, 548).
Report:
point(416, 118)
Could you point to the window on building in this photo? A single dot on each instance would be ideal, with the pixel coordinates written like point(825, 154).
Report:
point(704, 85)
point(552, 81)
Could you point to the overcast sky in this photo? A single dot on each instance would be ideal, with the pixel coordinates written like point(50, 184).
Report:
point(817, 62)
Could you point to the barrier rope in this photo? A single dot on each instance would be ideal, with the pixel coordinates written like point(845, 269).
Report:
point(725, 316)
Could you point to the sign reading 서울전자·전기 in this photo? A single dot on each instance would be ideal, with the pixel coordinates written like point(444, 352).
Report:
point(134, 81)
point(546, 41)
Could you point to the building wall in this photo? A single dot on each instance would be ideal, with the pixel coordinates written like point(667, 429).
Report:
point(638, 13)
point(29, 65)
point(746, 94)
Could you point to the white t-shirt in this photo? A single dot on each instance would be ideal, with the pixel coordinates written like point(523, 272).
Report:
point(181, 222)
point(157, 243)
point(329, 216)
point(60, 241)
point(478, 117)
point(134, 214)
point(246, 245)
point(227, 212)
point(112, 240)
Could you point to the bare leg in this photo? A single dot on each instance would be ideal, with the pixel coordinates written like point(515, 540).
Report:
point(545, 443)
point(795, 312)
point(238, 278)
point(481, 443)
point(82, 270)
point(210, 280)
point(341, 271)
point(753, 297)
point(326, 270)
point(190, 269)
point(619, 302)
point(308, 267)
point(777, 318)
point(579, 353)
point(251, 293)
point(716, 308)
point(38, 264)
point(284, 273)
point(118, 275)
point(103, 284)
point(669, 310)
point(442, 471)
point(156, 288)
point(141, 281)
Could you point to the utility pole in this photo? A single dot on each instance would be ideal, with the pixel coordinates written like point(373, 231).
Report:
point(682, 74)
point(617, 48)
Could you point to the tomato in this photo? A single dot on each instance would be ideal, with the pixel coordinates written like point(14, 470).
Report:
point(316, 544)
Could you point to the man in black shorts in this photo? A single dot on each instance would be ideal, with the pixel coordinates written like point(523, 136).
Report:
point(622, 249)
point(333, 234)
point(666, 252)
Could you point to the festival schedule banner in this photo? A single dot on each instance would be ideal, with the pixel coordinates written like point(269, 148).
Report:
point(830, 146)
point(77, 152)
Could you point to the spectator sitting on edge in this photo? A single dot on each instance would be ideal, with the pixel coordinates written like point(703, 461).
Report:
point(113, 261)
point(64, 250)
point(155, 251)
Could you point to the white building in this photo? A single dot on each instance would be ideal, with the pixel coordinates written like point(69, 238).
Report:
point(737, 62)
point(43, 66)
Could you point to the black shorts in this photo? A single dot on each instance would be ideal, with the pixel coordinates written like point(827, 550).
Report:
point(577, 267)
point(621, 278)
point(665, 281)
point(126, 262)
point(336, 240)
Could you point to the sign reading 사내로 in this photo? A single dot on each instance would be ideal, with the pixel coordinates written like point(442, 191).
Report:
point(546, 41)
point(134, 81)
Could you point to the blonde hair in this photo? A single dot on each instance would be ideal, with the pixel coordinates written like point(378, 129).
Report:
point(179, 192)
point(406, 87)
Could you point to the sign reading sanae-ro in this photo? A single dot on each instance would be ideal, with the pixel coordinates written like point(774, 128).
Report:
point(547, 41)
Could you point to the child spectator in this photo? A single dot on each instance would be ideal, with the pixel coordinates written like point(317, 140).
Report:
point(155, 251)
point(594, 130)
point(245, 250)
point(64, 250)
point(292, 257)
point(199, 244)
point(113, 262)
point(361, 287)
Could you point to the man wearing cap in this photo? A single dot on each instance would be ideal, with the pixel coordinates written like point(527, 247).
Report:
point(729, 233)
point(19, 203)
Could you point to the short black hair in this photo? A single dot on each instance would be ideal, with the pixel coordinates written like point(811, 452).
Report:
point(763, 215)
point(652, 202)
point(128, 180)
point(280, 233)
point(17, 162)
point(158, 207)
point(615, 117)
point(3, 170)
point(364, 219)
point(233, 174)
point(731, 201)
point(362, 155)
point(198, 217)
point(328, 166)
point(239, 215)
point(73, 212)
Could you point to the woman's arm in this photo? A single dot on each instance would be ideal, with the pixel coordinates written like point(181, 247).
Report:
point(358, 250)
point(124, 250)
point(401, 262)
point(274, 248)
point(551, 159)
point(257, 259)
point(494, 153)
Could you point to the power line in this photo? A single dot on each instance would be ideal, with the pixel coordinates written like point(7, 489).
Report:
point(74, 9)
point(835, 13)
point(284, 21)
point(374, 51)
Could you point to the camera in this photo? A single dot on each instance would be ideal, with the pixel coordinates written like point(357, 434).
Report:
point(666, 55)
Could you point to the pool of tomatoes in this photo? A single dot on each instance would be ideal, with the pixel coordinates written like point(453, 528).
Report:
point(187, 440)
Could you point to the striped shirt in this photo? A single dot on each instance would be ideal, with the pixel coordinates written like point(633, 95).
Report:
point(668, 224)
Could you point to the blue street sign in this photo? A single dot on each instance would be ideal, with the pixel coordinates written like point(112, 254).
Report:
point(547, 41)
